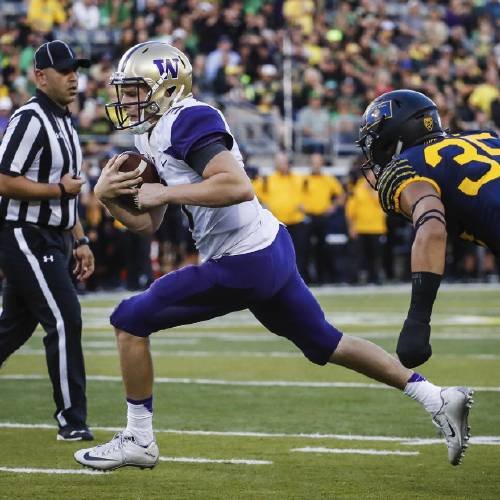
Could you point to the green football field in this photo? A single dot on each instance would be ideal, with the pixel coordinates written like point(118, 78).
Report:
point(240, 414)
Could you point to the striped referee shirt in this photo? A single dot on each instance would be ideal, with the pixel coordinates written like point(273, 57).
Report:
point(41, 144)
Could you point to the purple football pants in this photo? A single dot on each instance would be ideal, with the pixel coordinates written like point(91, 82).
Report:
point(266, 281)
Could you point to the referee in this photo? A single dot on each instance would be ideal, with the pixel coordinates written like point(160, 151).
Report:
point(40, 160)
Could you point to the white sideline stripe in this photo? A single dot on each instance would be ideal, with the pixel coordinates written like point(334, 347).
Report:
point(157, 341)
point(402, 287)
point(268, 337)
point(486, 440)
point(343, 320)
point(31, 470)
point(355, 451)
point(201, 381)
point(63, 368)
point(27, 351)
point(240, 383)
point(334, 290)
point(236, 461)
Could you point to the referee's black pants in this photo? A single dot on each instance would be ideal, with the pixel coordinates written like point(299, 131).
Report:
point(38, 289)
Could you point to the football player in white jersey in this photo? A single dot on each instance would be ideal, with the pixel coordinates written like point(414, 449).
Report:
point(248, 260)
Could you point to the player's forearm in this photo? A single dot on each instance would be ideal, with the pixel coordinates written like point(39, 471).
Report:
point(135, 221)
point(220, 190)
point(21, 188)
point(427, 262)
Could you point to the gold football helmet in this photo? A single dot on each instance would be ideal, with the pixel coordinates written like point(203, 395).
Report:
point(155, 76)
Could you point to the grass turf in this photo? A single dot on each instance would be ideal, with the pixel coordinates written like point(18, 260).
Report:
point(466, 343)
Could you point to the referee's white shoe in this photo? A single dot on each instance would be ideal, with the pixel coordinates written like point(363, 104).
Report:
point(122, 450)
point(452, 420)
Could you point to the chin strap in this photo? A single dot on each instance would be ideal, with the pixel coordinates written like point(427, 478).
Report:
point(177, 95)
point(141, 128)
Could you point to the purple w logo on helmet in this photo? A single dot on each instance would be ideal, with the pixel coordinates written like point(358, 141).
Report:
point(166, 66)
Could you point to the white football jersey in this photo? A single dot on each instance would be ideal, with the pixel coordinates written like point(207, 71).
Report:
point(237, 229)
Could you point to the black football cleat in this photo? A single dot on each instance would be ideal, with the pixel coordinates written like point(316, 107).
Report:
point(70, 433)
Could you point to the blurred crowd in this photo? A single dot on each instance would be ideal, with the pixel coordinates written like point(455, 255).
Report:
point(341, 234)
point(333, 57)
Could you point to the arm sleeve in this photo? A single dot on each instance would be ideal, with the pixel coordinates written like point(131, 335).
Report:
point(194, 124)
point(204, 150)
point(21, 143)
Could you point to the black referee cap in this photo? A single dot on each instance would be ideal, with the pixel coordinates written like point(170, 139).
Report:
point(58, 55)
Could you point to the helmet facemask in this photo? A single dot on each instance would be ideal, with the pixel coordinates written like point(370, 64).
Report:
point(377, 154)
point(151, 78)
point(119, 112)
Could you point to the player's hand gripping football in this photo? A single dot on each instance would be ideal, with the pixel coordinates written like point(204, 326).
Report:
point(151, 196)
point(414, 347)
point(112, 183)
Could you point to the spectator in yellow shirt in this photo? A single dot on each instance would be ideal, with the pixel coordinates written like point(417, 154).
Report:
point(44, 14)
point(323, 195)
point(300, 13)
point(367, 229)
point(486, 93)
point(282, 193)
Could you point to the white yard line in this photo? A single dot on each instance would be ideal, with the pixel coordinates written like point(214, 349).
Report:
point(403, 287)
point(339, 319)
point(331, 290)
point(31, 470)
point(269, 337)
point(199, 460)
point(98, 351)
point(488, 440)
point(26, 351)
point(417, 441)
point(355, 451)
point(239, 383)
point(98, 344)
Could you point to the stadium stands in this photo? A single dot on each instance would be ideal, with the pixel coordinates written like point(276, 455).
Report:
point(342, 52)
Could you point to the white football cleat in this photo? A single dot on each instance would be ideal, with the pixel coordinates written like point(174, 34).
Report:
point(452, 420)
point(122, 450)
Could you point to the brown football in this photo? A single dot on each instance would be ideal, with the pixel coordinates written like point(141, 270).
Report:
point(149, 174)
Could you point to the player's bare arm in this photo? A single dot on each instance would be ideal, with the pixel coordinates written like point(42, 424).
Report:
point(225, 183)
point(21, 188)
point(112, 184)
point(421, 202)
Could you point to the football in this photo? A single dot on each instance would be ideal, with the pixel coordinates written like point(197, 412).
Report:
point(148, 170)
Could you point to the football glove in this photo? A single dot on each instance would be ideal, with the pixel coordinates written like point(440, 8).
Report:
point(414, 347)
